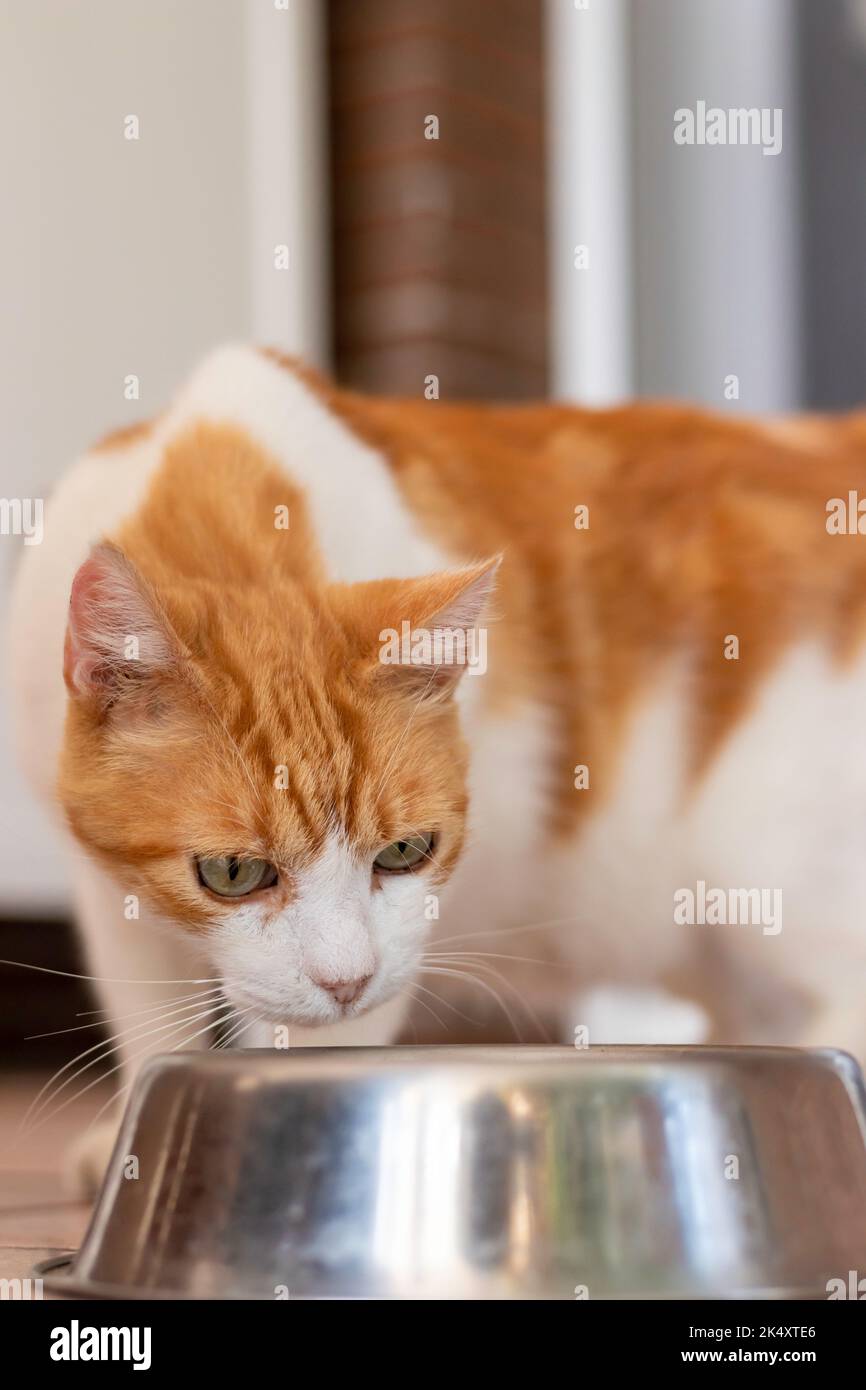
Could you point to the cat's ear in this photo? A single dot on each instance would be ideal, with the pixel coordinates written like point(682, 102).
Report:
point(116, 637)
point(433, 632)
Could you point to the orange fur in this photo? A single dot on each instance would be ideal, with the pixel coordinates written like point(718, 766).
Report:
point(126, 434)
point(272, 668)
point(699, 527)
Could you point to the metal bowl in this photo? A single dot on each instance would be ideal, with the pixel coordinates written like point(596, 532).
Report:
point(483, 1172)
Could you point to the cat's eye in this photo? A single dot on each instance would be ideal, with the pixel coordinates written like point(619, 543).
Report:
point(402, 855)
point(233, 877)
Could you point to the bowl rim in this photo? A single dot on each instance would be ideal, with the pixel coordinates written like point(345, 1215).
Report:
point(71, 1286)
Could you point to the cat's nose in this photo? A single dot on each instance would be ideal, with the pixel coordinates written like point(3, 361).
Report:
point(345, 991)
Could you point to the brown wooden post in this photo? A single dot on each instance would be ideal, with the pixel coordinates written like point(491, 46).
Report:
point(438, 171)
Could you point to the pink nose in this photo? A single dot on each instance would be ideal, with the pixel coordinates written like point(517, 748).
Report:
point(344, 991)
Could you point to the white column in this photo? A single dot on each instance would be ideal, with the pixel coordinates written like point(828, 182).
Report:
point(288, 175)
point(589, 174)
point(716, 226)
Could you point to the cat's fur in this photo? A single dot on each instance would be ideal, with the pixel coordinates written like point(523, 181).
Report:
point(609, 648)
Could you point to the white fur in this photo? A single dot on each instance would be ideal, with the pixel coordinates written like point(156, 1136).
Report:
point(361, 525)
point(782, 807)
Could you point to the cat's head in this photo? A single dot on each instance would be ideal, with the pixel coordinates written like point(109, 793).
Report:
point(245, 762)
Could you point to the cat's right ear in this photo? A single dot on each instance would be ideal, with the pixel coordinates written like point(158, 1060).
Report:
point(116, 637)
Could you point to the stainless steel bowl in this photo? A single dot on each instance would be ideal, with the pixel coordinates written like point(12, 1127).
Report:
point(483, 1172)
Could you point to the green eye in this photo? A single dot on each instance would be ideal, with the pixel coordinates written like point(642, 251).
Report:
point(403, 855)
point(232, 877)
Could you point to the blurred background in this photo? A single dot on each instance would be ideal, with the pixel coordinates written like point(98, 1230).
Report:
point(484, 190)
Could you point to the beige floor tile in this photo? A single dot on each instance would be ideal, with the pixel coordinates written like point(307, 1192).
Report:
point(40, 1146)
point(35, 1211)
point(61, 1226)
point(18, 1264)
point(28, 1189)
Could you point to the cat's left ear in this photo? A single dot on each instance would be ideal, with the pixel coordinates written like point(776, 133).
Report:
point(432, 629)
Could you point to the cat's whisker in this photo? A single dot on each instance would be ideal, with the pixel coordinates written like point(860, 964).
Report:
point(430, 855)
point(175, 1029)
point(225, 1037)
point(465, 975)
point(112, 1100)
point(218, 1035)
point(123, 1090)
point(489, 955)
point(251, 1023)
point(225, 1042)
point(121, 1018)
point(515, 992)
point(425, 1005)
point(104, 979)
point(151, 1008)
point(507, 931)
point(183, 1042)
point(446, 1004)
point(133, 1034)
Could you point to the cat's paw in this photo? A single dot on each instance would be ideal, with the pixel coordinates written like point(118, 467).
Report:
point(643, 1016)
point(87, 1160)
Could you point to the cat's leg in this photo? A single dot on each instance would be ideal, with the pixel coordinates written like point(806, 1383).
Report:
point(155, 990)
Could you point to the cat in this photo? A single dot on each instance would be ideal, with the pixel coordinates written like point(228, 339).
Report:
point(342, 697)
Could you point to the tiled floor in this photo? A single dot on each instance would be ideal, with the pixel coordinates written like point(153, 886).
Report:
point(37, 1217)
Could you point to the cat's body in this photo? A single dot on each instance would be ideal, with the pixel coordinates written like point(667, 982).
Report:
point(675, 695)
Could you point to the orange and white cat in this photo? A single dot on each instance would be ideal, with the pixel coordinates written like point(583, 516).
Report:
point(660, 773)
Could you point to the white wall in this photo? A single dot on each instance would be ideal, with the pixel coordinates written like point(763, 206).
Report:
point(590, 177)
point(121, 256)
point(288, 175)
